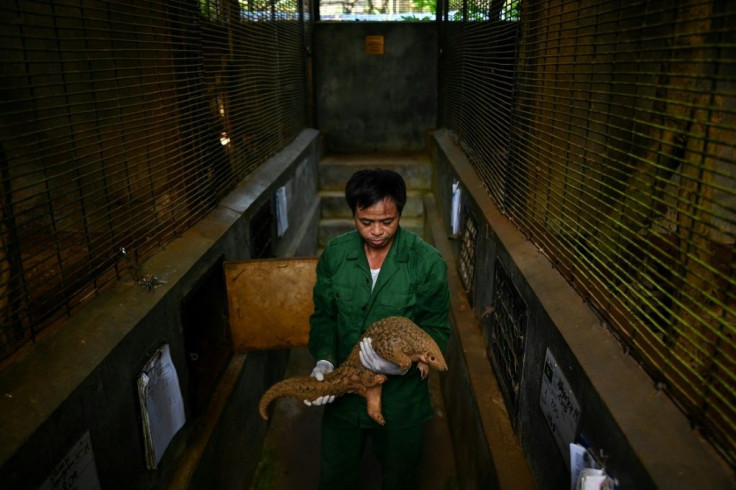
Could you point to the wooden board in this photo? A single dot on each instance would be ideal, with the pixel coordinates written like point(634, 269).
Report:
point(270, 302)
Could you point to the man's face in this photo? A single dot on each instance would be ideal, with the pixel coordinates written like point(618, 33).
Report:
point(378, 224)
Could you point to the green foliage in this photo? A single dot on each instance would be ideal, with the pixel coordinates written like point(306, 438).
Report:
point(475, 12)
point(425, 5)
point(510, 10)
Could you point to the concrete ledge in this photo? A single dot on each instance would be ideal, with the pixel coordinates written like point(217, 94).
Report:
point(649, 441)
point(83, 376)
point(488, 454)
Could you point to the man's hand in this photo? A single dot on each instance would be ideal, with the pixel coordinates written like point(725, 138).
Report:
point(374, 362)
point(320, 369)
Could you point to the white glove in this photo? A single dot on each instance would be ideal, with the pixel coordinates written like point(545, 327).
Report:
point(374, 362)
point(320, 369)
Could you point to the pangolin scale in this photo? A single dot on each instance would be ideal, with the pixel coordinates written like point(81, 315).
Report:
point(395, 338)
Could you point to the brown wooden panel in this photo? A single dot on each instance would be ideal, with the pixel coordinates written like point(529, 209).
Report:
point(270, 302)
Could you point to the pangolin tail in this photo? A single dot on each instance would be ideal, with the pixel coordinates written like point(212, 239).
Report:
point(301, 387)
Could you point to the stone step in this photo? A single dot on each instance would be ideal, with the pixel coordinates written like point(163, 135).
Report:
point(330, 228)
point(415, 168)
point(333, 205)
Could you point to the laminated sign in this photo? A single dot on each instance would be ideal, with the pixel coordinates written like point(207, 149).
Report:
point(77, 470)
point(162, 405)
point(559, 405)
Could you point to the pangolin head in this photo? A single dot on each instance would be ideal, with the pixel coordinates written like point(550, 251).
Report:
point(435, 360)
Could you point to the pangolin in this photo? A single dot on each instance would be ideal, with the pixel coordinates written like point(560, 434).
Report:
point(395, 338)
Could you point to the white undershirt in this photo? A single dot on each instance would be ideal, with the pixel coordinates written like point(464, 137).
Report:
point(374, 275)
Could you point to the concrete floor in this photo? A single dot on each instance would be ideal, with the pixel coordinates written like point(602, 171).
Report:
point(290, 456)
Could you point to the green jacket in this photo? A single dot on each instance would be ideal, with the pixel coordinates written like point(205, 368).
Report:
point(412, 283)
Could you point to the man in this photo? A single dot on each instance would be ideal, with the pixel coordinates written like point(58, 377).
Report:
point(363, 276)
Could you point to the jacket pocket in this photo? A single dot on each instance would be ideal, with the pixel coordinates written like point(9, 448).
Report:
point(343, 295)
point(345, 302)
point(397, 305)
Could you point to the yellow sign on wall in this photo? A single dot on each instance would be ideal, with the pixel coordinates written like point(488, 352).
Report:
point(374, 45)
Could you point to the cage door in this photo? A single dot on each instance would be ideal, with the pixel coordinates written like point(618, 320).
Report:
point(269, 302)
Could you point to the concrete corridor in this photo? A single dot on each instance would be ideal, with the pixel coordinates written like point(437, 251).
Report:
point(290, 456)
point(234, 448)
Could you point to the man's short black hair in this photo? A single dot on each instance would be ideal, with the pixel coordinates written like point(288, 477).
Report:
point(367, 187)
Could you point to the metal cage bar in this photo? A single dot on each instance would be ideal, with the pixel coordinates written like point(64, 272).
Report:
point(122, 125)
point(605, 130)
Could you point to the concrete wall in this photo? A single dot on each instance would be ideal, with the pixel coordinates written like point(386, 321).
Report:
point(648, 442)
point(83, 376)
point(367, 102)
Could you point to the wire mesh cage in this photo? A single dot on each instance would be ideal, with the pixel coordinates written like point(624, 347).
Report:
point(122, 125)
point(605, 131)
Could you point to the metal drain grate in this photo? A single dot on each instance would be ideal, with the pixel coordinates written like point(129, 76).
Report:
point(467, 255)
point(507, 334)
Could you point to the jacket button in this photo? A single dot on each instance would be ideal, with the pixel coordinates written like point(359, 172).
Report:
point(363, 307)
